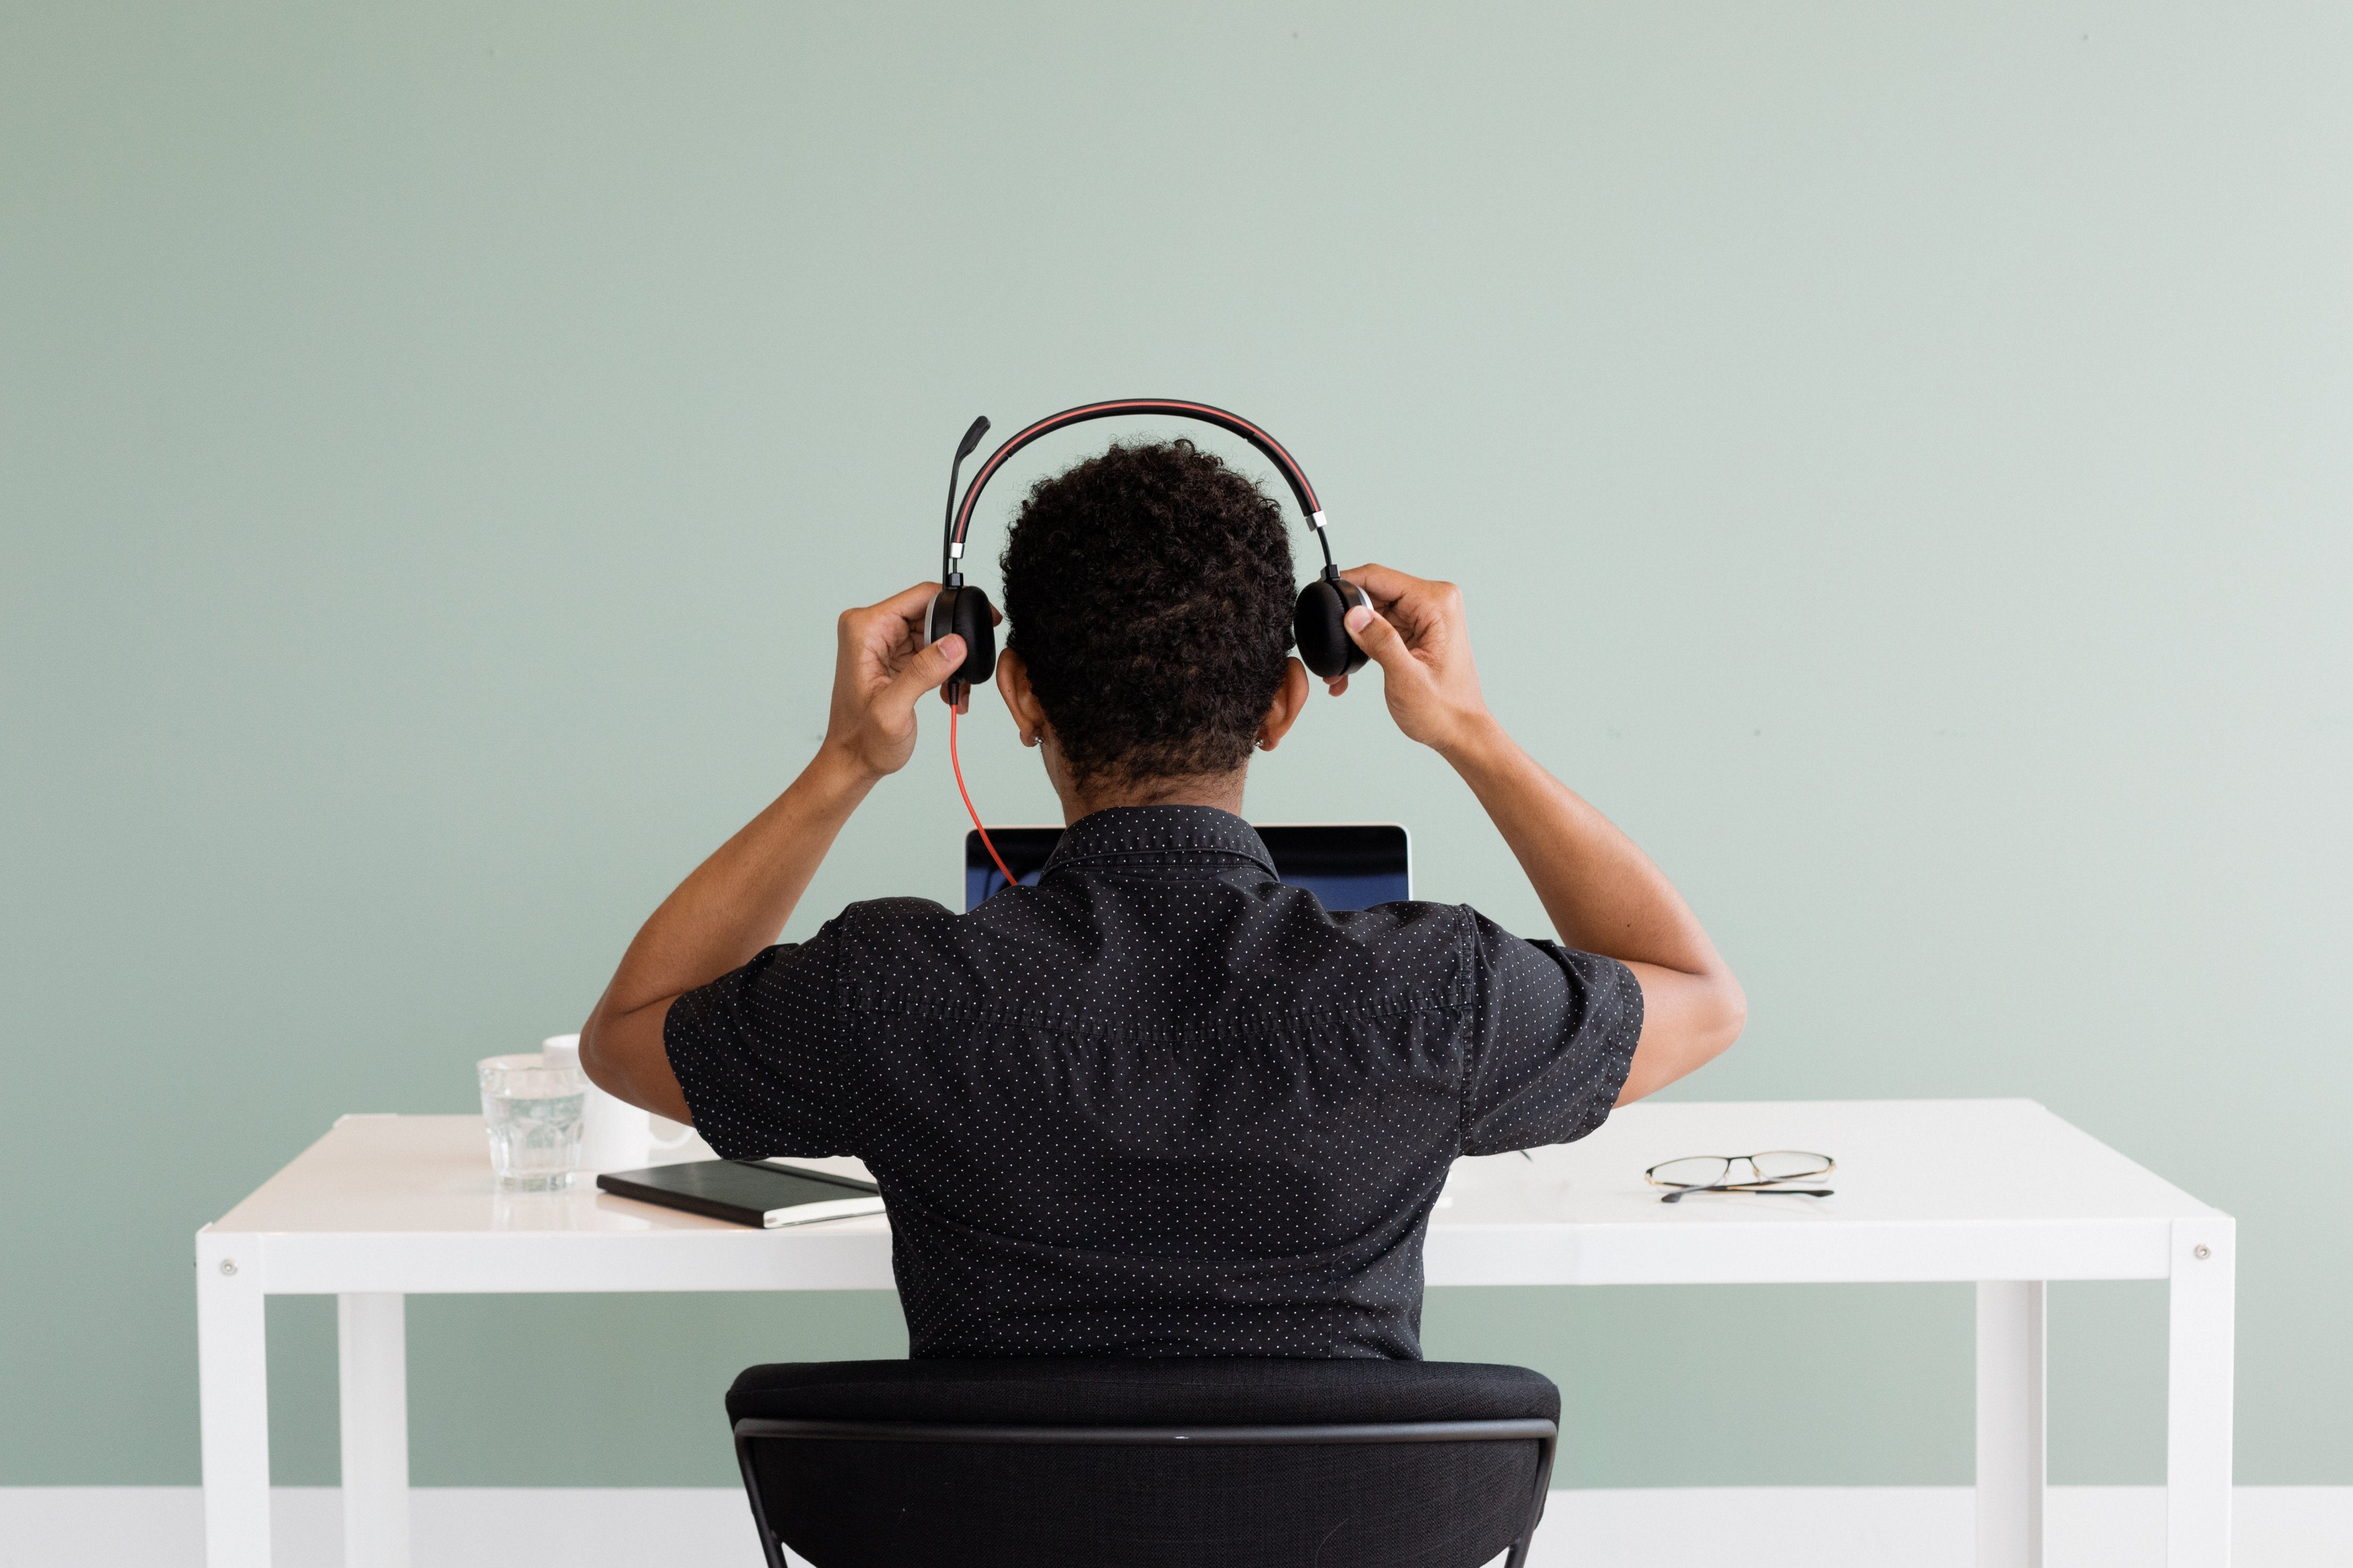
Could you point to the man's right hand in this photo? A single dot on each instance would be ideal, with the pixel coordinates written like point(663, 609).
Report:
point(882, 666)
point(1417, 633)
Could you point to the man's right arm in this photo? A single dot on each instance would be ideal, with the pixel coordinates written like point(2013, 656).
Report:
point(736, 902)
point(1602, 892)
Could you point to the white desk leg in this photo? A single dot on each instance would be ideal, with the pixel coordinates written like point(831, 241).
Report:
point(233, 1396)
point(2010, 1423)
point(2199, 1350)
point(371, 1362)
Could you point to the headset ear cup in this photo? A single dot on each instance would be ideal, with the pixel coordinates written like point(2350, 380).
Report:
point(1321, 627)
point(965, 611)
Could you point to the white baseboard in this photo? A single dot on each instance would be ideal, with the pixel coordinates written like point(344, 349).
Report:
point(1756, 1527)
point(450, 1527)
point(1919, 1527)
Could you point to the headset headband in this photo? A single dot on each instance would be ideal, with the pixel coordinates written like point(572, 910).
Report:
point(960, 519)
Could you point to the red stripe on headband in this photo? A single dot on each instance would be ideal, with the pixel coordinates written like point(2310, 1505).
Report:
point(1207, 413)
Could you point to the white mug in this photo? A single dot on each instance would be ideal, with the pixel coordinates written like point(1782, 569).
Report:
point(618, 1136)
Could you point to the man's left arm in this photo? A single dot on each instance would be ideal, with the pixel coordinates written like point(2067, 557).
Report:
point(734, 905)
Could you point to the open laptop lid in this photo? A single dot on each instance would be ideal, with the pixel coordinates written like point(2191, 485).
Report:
point(1346, 865)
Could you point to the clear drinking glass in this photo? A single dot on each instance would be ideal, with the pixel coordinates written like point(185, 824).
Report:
point(533, 1111)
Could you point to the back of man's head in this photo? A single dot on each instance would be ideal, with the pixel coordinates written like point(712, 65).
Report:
point(1149, 593)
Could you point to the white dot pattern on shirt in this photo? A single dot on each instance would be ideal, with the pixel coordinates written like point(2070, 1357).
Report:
point(1160, 1104)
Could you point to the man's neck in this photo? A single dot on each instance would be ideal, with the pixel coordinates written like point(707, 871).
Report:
point(1222, 791)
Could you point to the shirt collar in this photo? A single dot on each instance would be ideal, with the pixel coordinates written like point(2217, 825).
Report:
point(1161, 834)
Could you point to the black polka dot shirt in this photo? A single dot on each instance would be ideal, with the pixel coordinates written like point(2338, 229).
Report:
point(1159, 1104)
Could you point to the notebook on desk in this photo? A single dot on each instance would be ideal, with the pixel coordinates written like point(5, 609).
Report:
point(1346, 865)
point(768, 1194)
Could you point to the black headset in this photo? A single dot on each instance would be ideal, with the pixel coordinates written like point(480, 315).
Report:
point(1320, 624)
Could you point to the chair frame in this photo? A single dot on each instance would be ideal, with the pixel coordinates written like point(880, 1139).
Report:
point(1546, 1434)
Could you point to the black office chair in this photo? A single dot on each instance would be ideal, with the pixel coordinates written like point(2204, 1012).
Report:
point(1046, 1462)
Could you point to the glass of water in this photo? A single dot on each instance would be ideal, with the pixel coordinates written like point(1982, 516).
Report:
point(533, 1110)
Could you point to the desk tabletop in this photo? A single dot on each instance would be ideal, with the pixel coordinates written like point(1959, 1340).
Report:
point(1924, 1190)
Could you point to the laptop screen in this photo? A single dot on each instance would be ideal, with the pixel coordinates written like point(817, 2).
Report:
point(1346, 865)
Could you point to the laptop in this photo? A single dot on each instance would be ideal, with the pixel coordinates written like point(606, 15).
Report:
point(1346, 865)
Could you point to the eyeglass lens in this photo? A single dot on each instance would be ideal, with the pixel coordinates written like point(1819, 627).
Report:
point(1714, 1170)
point(1785, 1165)
point(1700, 1170)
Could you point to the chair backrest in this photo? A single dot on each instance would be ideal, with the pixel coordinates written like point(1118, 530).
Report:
point(1182, 1463)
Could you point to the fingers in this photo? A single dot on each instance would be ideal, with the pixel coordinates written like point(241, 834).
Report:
point(1383, 584)
point(889, 623)
point(907, 604)
point(1420, 609)
point(927, 668)
point(907, 607)
point(1379, 639)
point(1414, 630)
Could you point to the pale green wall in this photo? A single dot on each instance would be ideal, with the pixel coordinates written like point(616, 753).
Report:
point(1897, 457)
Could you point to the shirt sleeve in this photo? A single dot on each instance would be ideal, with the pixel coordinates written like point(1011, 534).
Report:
point(763, 1055)
point(1553, 1040)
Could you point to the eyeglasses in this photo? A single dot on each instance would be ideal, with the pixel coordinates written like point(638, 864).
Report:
point(1764, 1172)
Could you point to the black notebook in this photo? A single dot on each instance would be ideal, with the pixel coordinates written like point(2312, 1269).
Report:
point(762, 1193)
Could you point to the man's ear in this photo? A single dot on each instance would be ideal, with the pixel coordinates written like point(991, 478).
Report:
point(1021, 697)
point(1282, 713)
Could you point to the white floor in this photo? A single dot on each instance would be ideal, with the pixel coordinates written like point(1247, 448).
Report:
point(1764, 1527)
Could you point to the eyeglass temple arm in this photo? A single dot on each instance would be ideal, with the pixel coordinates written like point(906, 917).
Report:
point(1681, 1193)
point(1828, 1165)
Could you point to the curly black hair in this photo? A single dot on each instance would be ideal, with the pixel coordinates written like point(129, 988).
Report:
point(1149, 591)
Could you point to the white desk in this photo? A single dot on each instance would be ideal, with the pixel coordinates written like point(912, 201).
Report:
point(1998, 1191)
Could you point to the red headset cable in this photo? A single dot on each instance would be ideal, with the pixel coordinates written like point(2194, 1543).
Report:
point(1010, 879)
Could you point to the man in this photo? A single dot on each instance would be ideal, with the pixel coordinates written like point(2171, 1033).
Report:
point(1159, 1104)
